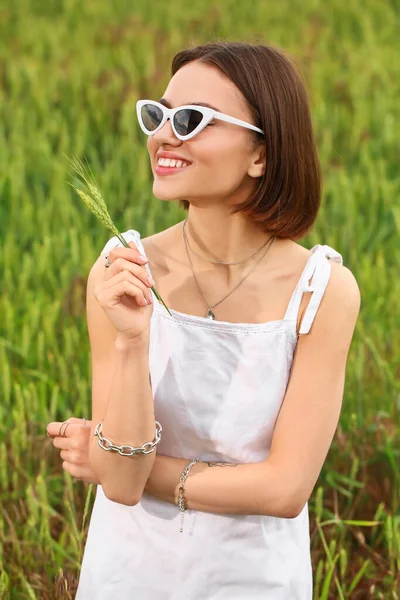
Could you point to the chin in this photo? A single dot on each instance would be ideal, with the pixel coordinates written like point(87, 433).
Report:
point(165, 192)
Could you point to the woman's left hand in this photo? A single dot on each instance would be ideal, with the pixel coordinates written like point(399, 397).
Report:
point(74, 447)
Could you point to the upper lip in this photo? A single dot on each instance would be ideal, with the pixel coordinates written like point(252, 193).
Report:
point(171, 155)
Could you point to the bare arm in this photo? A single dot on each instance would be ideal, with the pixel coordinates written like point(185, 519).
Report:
point(281, 485)
point(122, 398)
point(222, 488)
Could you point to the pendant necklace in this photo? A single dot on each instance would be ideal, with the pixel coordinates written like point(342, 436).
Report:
point(210, 315)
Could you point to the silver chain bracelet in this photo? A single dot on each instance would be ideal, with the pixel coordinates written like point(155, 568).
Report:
point(126, 450)
point(182, 479)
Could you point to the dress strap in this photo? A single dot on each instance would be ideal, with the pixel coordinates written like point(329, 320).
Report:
point(314, 279)
point(130, 236)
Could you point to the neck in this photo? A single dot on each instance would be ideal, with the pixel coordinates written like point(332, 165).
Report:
point(215, 234)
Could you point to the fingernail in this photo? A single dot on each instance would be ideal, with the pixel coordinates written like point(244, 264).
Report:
point(151, 280)
point(143, 258)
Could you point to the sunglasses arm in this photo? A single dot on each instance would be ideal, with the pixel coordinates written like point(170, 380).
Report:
point(234, 121)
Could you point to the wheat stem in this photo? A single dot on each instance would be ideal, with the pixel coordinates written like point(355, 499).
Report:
point(92, 197)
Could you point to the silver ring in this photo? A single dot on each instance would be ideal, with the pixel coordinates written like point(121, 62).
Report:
point(66, 423)
point(65, 429)
point(107, 262)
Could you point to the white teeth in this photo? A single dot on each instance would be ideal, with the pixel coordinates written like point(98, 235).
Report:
point(168, 162)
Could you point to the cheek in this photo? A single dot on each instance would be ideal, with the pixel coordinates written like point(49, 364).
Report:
point(224, 158)
point(151, 146)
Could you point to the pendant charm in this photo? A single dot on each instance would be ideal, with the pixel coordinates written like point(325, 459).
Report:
point(210, 315)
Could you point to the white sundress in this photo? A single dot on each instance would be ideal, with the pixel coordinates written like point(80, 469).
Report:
point(217, 388)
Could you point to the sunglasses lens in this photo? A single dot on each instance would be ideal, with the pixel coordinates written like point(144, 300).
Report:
point(187, 120)
point(151, 116)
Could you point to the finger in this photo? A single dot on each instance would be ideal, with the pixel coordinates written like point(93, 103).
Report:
point(77, 440)
point(133, 253)
point(122, 264)
point(125, 275)
point(63, 443)
point(112, 295)
point(66, 455)
point(53, 429)
point(79, 472)
point(74, 456)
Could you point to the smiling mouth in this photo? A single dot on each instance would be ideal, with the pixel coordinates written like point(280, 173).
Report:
point(172, 163)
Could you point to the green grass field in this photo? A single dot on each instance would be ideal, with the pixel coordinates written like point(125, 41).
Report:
point(70, 74)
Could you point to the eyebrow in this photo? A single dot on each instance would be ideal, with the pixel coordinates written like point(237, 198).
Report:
point(168, 105)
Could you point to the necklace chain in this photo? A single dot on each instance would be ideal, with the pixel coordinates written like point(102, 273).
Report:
point(220, 262)
point(210, 314)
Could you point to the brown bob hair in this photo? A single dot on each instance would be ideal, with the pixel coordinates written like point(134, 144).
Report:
point(287, 198)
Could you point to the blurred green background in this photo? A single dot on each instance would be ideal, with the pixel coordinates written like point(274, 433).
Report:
point(70, 75)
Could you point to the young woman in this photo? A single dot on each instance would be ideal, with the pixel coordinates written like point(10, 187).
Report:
point(239, 387)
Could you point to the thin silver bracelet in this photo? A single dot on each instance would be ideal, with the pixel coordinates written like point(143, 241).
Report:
point(126, 450)
point(182, 479)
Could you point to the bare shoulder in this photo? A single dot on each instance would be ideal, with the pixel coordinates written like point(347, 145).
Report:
point(162, 247)
point(343, 291)
point(164, 236)
point(336, 317)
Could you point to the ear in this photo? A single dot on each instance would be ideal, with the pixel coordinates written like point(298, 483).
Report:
point(257, 161)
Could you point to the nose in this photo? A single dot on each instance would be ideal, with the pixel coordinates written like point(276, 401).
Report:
point(166, 135)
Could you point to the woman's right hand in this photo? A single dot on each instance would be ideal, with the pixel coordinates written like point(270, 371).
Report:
point(123, 292)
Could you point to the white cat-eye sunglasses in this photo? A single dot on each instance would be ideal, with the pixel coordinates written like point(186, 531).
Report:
point(186, 121)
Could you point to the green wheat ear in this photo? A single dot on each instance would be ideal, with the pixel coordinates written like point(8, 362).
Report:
point(87, 189)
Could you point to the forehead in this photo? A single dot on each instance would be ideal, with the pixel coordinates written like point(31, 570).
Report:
point(198, 82)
